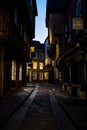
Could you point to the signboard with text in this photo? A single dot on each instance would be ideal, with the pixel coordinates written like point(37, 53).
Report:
point(77, 23)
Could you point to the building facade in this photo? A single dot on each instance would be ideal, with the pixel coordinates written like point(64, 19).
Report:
point(35, 68)
point(55, 20)
point(74, 61)
point(71, 59)
point(47, 69)
point(17, 27)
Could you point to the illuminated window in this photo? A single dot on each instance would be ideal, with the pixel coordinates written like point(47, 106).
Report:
point(34, 65)
point(47, 61)
point(40, 76)
point(34, 75)
point(20, 72)
point(32, 49)
point(40, 65)
point(13, 75)
point(46, 75)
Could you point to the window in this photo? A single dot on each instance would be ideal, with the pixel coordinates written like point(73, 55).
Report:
point(46, 75)
point(20, 72)
point(40, 76)
point(41, 56)
point(13, 75)
point(21, 28)
point(32, 49)
point(27, 69)
point(31, 4)
point(34, 75)
point(35, 56)
point(78, 8)
point(34, 65)
point(69, 38)
point(66, 31)
point(69, 27)
point(40, 65)
point(47, 61)
point(78, 11)
point(69, 24)
point(25, 35)
point(15, 16)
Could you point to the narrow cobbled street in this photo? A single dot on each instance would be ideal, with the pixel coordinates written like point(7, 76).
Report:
point(40, 115)
point(43, 108)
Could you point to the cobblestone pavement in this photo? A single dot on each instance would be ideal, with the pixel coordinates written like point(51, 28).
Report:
point(40, 115)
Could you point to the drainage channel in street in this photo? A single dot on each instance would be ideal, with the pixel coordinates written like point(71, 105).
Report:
point(63, 122)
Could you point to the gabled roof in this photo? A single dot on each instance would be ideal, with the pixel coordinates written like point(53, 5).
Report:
point(37, 45)
point(56, 5)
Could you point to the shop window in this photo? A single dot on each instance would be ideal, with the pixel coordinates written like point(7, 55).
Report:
point(13, 75)
point(20, 72)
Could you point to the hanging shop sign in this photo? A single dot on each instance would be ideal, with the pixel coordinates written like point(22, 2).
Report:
point(77, 23)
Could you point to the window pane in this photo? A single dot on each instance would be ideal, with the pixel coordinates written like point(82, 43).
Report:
point(41, 65)
point(34, 75)
point(20, 72)
point(34, 65)
point(41, 56)
point(46, 75)
point(40, 76)
point(13, 75)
